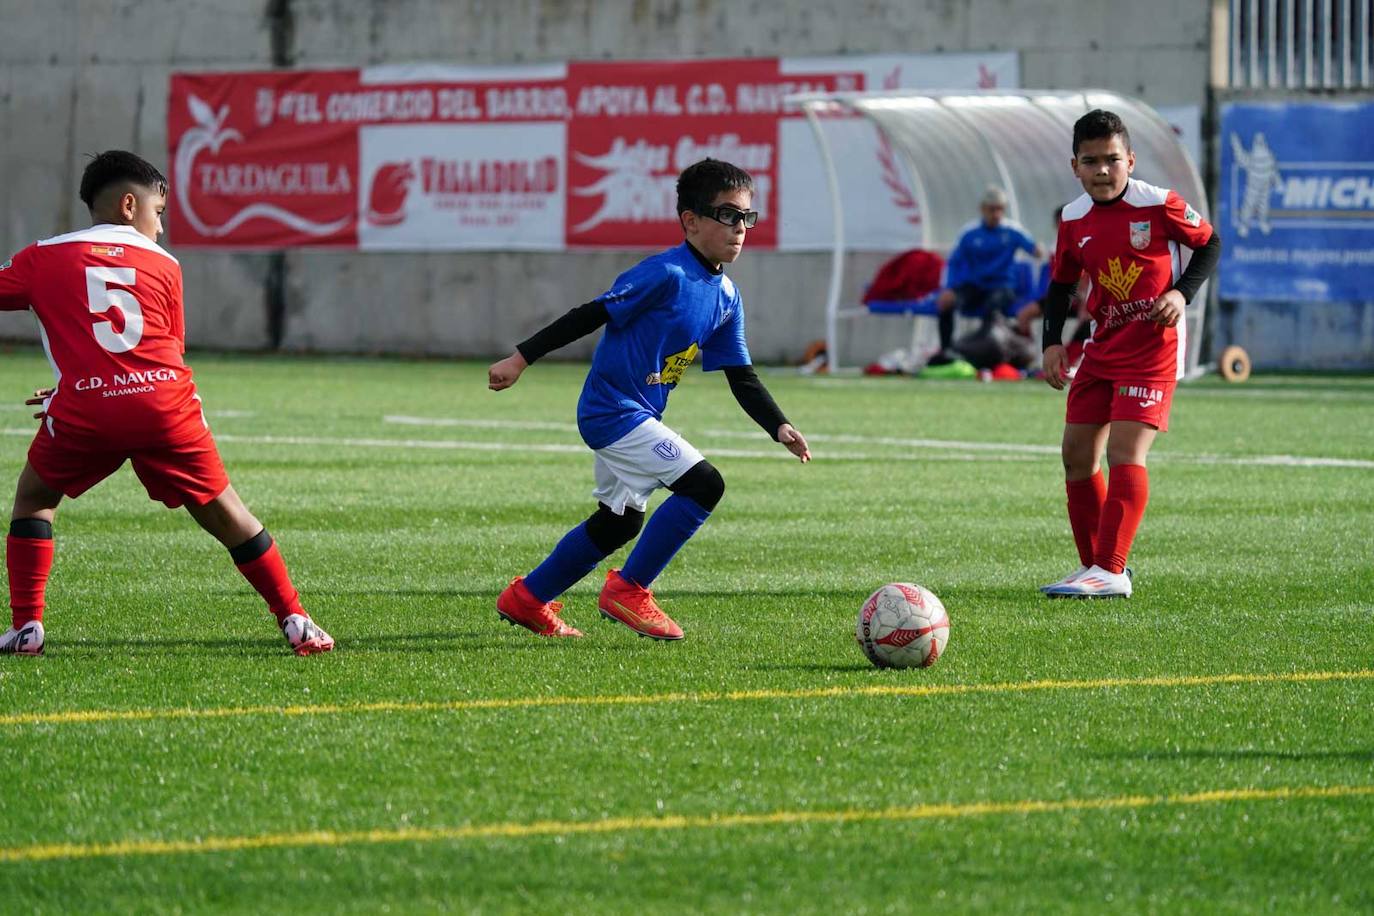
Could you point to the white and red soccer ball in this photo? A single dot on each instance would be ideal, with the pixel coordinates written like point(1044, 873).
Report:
point(902, 626)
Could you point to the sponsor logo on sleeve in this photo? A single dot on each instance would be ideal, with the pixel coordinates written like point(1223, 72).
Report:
point(1190, 216)
point(109, 251)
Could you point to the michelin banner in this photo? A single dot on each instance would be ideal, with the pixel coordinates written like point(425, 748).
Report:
point(1296, 201)
point(548, 157)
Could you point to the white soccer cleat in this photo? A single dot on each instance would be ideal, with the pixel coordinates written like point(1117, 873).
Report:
point(27, 640)
point(305, 636)
point(1064, 581)
point(1095, 583)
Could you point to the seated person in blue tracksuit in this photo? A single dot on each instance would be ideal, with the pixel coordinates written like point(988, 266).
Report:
point(980, 278)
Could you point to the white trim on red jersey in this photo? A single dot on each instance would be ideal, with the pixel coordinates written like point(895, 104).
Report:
point(1077, 208)
point(110, 234)
point(1176, 271)
point(1140, 194)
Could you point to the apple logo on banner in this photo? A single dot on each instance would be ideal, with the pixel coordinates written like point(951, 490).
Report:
point(248, 179)
point(386, 202)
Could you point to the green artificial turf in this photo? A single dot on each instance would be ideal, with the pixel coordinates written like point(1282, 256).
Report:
point(405, 495)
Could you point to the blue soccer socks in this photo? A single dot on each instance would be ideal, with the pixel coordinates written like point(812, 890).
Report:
point(573, 558)
point(667, 530)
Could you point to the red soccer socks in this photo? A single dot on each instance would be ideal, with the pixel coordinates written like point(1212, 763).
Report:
point(268, 575)
point(1128, 491)
point(1085, 513)
point(29, 560)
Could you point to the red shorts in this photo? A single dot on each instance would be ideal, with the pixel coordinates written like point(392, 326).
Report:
point(1096, 401)
point(176, 474)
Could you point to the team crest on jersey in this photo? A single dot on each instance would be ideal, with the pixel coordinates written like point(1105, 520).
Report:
point(1119, 282)
point(109, 251)
point(1140, 235)
point(1190, 216)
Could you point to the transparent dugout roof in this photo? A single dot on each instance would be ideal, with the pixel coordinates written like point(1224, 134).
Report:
point(954, 144)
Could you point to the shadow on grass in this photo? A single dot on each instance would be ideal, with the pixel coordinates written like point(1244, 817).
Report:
point(320, 595)
point(439, 641)
point(1222, 754)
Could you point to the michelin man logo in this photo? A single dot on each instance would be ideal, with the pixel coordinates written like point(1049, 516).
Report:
point(1261, 176)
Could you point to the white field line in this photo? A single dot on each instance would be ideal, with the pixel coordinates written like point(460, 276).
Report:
point(463, 445)
point(1239, 391)
point(973, 451)
point(1007, 449)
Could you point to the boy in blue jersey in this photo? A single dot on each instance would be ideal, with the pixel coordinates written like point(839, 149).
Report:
point(658, 316)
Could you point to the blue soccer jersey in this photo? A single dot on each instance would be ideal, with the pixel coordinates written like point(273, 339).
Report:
point(984, 256)
point(664, 311)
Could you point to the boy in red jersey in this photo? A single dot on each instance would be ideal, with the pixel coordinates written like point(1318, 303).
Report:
point(108, 302)
point(1125, 236)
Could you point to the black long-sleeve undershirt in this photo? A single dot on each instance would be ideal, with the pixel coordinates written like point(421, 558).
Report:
point(748, 389)
point(1203, 262)
point(1056, 313)
point(574, 324)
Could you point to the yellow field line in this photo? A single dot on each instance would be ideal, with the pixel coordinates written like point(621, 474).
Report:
point(46, 852)
point(650, 699)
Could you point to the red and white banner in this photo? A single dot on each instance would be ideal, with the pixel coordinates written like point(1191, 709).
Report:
point(417, 158)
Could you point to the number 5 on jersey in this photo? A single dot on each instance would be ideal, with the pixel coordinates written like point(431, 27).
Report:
point(101, 299)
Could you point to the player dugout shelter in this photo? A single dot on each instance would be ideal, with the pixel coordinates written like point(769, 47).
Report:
point(954, 144)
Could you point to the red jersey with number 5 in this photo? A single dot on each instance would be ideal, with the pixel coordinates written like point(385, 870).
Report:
point(1128, 251)
point(108, 301)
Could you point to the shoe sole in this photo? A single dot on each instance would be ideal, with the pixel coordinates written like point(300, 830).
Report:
point(575, 634)
point(1057, 595)
point(313, 647)
point(615, 619)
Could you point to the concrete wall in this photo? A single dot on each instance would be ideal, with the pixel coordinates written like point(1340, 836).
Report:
point(78, 77)
point(1287, 335)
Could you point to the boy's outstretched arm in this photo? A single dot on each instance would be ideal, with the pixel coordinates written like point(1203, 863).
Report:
point(748, 389)
point(575, 323)
point(506, 372)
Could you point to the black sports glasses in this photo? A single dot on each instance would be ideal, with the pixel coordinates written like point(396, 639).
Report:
point(732, 216)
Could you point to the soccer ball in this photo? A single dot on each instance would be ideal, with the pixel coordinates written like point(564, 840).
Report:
point(902, 626)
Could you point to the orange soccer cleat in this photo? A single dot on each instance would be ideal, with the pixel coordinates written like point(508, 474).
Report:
point(634, 606)
point(517, 605)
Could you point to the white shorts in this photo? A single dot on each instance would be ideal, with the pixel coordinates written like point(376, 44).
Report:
point(632, 467)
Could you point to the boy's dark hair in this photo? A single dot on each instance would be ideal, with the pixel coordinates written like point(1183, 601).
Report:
point(1099, 125)
point(700, 182)
point(117, 166)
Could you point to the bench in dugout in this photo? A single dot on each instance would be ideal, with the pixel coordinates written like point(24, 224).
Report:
point(925, 337)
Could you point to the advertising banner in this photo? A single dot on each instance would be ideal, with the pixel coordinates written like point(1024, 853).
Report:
point(1296, 201)
point(545, 157)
